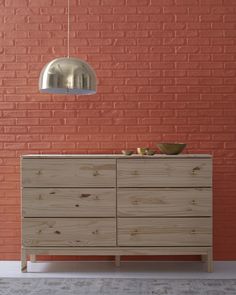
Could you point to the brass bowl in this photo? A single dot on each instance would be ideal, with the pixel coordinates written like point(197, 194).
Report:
point(150, 152)
point(171, 148)
point(127, 152)
point(141, 151)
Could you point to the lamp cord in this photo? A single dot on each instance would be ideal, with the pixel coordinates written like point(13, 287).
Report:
point(68, 29)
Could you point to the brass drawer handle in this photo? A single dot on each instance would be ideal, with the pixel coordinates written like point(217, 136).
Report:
point(77, 205)
point(193, 231)
point(95, 173)
point(195, 170)
point(85, 195)
point(39, 172)
point(194, 202)
point(134, 232)
point(135, 172)
point(57, 232)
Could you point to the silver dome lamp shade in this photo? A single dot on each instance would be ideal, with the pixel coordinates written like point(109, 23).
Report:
point(67, 75)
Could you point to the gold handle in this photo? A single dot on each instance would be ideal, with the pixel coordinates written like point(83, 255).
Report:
point(39, 172)
point(57, 232)
point(134, 232)
point(84, 195)
point(193, 231)
point(96, 173)
point(194, 170)
point(77, 205)
point(135, 172)
point(194, 202)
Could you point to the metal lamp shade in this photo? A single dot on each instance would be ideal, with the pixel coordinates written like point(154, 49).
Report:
point(67, 75)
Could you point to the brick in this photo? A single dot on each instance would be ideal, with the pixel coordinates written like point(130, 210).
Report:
point(175, 89)
point(62, 3)
point(16, 3)
point(40, 3)
point(7, 137)
point(107, 3)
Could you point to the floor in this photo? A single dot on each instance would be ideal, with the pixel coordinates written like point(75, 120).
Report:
point(153, 269)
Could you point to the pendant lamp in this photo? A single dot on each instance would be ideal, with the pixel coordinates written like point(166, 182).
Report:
point(67, 75)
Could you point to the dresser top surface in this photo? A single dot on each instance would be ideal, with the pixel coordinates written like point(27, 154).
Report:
point(111, 156)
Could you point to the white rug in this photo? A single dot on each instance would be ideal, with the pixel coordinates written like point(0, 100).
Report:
point(76, 286)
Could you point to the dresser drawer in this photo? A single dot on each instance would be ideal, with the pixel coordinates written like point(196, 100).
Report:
point(68, 202)
point(68, 172)
point(72, 232)
point(164, 172)
point(158, 202)
point(164, 231)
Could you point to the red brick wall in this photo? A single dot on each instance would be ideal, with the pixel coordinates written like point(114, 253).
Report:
point(166, 71)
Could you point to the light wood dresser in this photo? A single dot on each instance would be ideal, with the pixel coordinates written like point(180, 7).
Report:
point(116, 205)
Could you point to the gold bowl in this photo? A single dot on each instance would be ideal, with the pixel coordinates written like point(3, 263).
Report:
point(150, 152)
point(141, 151)
point(127, 152)
point(171, 148)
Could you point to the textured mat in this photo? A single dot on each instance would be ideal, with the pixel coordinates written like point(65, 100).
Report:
point(74, 286)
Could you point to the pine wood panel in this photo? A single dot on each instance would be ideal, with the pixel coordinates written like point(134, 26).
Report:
point(68, 202)
point(72, 199)
point(118, 250)
point(164, 173)
point(156, 202)
point(164, 232)
point(73, 232)
point(69, 172)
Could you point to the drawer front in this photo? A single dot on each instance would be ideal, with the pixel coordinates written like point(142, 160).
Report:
point(70, 232)
point(164, 172)
point(68, 202)
point(162, 202)
point(69, 172)
point(164, 231)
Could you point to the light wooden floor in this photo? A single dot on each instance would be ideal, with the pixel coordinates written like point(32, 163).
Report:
point(178, 270)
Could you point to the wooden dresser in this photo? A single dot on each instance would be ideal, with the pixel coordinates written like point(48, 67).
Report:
point(116, 205)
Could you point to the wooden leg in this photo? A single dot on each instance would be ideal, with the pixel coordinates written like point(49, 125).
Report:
point(23, 260)
point(209, 261)
point(32, 258)
point(117, 260)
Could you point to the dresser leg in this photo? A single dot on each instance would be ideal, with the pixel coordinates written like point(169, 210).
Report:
point(209, 261)
point(117, 260)
point(32, 258)
point(23, 260)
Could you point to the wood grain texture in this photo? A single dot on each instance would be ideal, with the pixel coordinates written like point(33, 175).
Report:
point(116, 205)
point(164, 173)
point(157, 202)
point(164, 231)
point(68, 172)
point(73, 232)
point(118, 250)
point(68, 202)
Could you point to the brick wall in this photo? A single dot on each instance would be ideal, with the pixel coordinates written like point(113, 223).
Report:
point(166, 71)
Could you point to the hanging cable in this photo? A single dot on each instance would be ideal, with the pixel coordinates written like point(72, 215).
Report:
point(68, 29)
